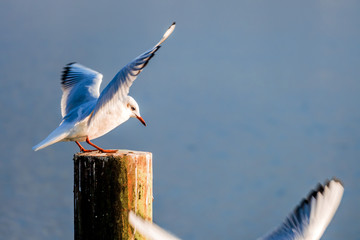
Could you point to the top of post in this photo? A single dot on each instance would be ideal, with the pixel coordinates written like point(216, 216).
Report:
point(115, 154)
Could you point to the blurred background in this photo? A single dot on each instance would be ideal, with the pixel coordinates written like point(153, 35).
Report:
point(249, 104)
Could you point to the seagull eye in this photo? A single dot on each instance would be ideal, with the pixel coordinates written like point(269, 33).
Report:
point(132, 108)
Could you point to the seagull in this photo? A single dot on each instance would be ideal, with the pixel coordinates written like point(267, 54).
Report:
point(86, 113)
point(307, 222)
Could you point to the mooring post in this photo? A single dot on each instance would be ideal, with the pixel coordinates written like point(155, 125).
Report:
point(106, 187)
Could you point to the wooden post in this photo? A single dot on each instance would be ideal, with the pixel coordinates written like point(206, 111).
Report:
point(106, 187)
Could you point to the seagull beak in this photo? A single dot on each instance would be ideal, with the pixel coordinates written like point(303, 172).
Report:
point(141, 120)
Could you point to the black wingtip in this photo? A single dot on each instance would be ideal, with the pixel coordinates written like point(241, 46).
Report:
point(173, 23)
point(65, 82)
point(65, 73)
point(320, 188)
point(313, 193)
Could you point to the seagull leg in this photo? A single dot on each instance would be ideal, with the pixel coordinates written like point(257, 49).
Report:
point(83, 149)
point(99, 148)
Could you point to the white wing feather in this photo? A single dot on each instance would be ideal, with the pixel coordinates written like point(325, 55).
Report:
point(79, 85)
point(310, 219)
point(119, 86)
point(307, 222)
point(148, 229)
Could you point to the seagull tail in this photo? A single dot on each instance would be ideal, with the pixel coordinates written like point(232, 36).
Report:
point(166, 34)
point(56, 136)
point(149, 229)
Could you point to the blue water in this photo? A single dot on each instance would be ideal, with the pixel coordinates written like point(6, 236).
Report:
point(248, 104)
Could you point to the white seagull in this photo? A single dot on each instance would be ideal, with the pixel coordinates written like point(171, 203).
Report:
point(86, 113)
point(307, 222)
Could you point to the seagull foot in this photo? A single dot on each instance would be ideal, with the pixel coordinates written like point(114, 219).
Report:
point(86, 150)
point(99, 148)
point(82, 149)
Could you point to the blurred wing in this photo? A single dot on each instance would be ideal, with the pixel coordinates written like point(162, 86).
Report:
point(310, 219)
point(119, 86)
point(79, 85)
point(148, 229)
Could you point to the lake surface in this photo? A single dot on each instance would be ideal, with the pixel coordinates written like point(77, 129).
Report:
point(248, 104)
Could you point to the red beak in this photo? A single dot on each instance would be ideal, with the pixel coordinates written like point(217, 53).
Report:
point(141, 120)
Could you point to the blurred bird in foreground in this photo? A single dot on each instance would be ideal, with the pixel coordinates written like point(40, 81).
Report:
point(307, 222)
point(86, 113)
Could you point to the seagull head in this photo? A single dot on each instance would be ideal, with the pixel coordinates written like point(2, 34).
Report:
point(134, 110)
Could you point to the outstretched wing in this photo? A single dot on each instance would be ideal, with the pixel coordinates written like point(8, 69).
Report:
point(310, 219)
point(119, 86)
point(149, 230)
point(79, 85)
